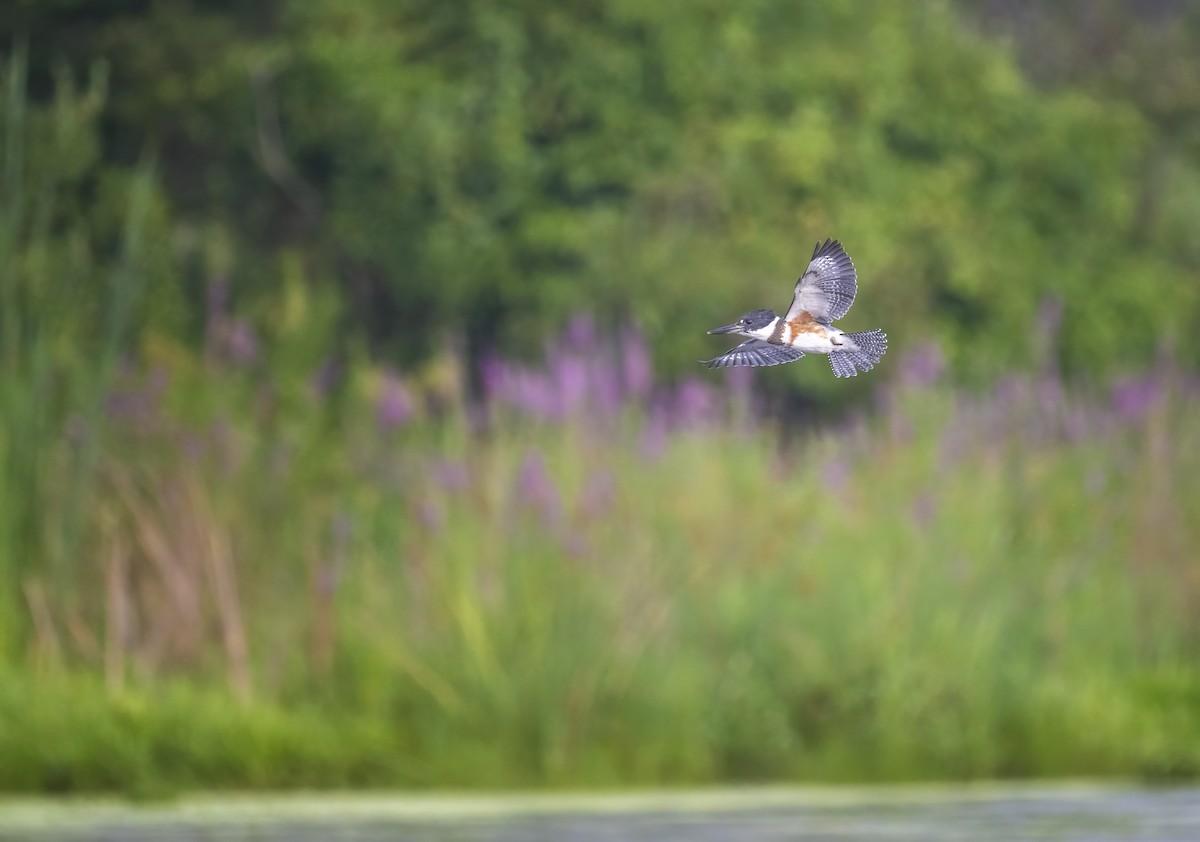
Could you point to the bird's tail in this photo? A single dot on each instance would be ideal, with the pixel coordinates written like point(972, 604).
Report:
point(864, 352)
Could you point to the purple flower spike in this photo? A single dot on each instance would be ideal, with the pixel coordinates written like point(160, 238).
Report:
point(606, 392)
point(695, 403)
point(535, 394)
point(536, 488)
point(836, 473)
point(1134, 397)
point(327, 377)
point(923, 366)
point(493, 375)
point(1050, 392)
point(137, 403)
point(1075, 425)
point(581, 333)
point(393, 406)
point(451, 475)
point(636, 366)
point(1010, 391)
point(653, 440)
point(571, 378)
point(241, 343)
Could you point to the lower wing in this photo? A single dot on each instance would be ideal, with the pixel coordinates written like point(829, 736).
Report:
point(755, 352)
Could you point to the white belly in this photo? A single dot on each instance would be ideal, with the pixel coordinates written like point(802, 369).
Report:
point(813, 343)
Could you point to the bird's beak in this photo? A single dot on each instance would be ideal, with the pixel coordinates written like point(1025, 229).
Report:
point(726, 329)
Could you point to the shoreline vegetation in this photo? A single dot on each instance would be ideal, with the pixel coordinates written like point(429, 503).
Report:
point(386, 590)
point(351, 434)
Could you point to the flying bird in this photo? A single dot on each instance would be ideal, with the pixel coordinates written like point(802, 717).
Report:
point(823, 295)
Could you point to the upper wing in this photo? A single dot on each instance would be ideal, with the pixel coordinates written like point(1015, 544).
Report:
point(828, 285)
point(755, 352)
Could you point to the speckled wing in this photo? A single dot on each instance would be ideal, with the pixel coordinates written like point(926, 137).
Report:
point(842, 365)
point(827, 288)
point(755, 352)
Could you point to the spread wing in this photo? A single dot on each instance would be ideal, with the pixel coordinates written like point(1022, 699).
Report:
point(843, 365)
point(755, 352)
point(828, 285)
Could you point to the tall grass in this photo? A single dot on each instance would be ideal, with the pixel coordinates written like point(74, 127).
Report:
point(68, 293)
point(633, 589)
point(295, 572)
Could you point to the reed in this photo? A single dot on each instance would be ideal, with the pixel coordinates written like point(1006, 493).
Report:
point(630, 586)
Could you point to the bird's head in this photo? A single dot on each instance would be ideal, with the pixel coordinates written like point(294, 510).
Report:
point(755, 323)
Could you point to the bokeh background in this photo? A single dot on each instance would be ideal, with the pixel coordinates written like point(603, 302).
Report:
point(351, 432)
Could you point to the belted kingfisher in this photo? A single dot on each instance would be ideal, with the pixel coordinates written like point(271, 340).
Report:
point(823, 294)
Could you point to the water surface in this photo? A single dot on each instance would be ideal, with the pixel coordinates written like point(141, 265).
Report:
point(1057, 812)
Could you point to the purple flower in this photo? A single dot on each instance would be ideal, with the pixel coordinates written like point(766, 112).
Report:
point(493, 376)
point(581, 375)
point(534, 393)
point(1074, 424)
point(1009, 403)
point(1050, 392)
point(536, 488)
point(653, 440)
point(571, 381)
point(193, 446)
point(605, 391)
point(393, 405)
point(241, 344)
point(835, 473)
point(636, 367)
point(138, 403)
point(1009, 390)
point(581, 333)
point(451, 474)
point(695, 403)
point(923, 366)
point(1133, 397)
point(520, 389)
point(327, 377)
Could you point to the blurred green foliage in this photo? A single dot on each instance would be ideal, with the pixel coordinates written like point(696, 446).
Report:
point(493, 167)
point(955, 588)
point(240, 548)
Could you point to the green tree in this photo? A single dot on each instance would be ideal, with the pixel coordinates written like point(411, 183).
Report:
point(493, 167)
